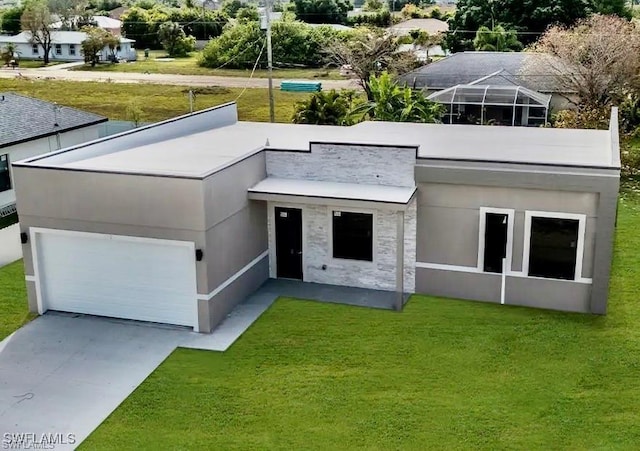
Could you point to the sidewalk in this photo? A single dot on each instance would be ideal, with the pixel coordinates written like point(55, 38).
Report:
point(10, 247)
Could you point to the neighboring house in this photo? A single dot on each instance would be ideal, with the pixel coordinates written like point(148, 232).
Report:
point(118, 12)
point(526, 69)
point(113, 26)
point(179, 221)
point(67, 46)
point(31, 127)
point(431, 26)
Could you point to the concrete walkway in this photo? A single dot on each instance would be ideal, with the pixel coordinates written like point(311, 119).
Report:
point(10, 247)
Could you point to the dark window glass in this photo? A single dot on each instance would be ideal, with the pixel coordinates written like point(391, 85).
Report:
point(353, 235)
point(5, 178)
point(495, 241)
point(554, 244)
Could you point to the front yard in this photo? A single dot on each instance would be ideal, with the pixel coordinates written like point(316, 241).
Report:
point(189, 66)
point(441, 375)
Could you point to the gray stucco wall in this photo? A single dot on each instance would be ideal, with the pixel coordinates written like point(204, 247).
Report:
point(236, 234)
point(449, 220)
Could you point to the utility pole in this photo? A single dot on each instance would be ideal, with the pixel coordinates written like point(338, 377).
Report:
point(272, 115)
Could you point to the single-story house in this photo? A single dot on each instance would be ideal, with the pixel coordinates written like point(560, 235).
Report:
point(67, 46)
point(179, 221)
point(33, 127)
point(526, 69)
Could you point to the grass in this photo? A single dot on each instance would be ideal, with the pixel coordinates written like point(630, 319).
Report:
point(189, 66)
point(13, 299)
point(157, 102)
point(443, 374)
point(34, 64)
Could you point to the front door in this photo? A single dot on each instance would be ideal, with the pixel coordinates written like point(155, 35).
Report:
point(289, 242)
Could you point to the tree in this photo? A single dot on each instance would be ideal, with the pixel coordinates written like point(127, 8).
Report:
point(369, 53)
point(530, 16)
point(10, 23)
point(322, 11)
point(174, 40)
point(9, 53)
point(68, 12)
point(36, 19)
point(496, 40)
point(231, 7)
point(373, 5)
point(325, 108)
point(424, 41)
point(598, 58)
point(393, 103)
point(96, 41)
point(248, 14)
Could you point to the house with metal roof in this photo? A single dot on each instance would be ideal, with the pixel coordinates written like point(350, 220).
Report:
point(31, 127)
point(66, 46)
point(509, 70)
point(178, 222)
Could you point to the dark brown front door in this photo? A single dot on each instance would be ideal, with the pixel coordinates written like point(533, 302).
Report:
point(289, 242)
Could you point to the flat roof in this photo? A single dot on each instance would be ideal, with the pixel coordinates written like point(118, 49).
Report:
point(333, 190)
point(205, 152)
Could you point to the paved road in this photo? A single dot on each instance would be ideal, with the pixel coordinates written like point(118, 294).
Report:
point(165, 79)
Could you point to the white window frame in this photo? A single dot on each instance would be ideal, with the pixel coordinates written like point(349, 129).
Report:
point(35, 49)
point(72, 49)
point(374, 235)
point(482, 229)
point(58, 49)
point(5, 157)
point(582, 224)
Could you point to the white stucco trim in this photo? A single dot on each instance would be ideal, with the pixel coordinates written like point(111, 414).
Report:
point(271, 217)
point(233, 278)
point(475, 270)
point(483, 227)
point(582, 222)
point(29, 278)
point(374, 235)
point(35, 231)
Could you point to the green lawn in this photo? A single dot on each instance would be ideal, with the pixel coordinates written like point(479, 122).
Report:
point(443, 374)
point(32, 64)
point(157, 102)
point(189, 66)
point(13, 299)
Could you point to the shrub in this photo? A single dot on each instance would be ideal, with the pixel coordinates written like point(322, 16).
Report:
point(382, 19)
point(294, 44)
point(325, 108)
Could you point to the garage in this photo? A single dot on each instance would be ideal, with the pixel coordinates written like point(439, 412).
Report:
point(115, 276)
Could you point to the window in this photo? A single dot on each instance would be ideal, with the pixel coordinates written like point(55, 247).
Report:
point(555, 245)
point(72, 49)
point(495, 239)
point(353, 235)
point(5, 177)
point(34, 49)
point(58, 49)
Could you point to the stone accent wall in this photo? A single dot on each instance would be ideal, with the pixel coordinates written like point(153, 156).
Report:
point(343, 163)
point(379, 274)
point(410, 227)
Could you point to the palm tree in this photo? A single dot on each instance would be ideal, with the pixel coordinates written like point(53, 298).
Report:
point(496, 39)
point(396, 104)
point(324, 108)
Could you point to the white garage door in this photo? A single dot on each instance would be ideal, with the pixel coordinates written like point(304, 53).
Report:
point(117, 276)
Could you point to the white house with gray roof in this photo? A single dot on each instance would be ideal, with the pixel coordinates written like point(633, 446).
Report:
point(179, 221)
point(66, 46)
point(31, 127)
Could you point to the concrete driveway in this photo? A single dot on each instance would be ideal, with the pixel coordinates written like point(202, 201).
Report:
point(65, 375)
